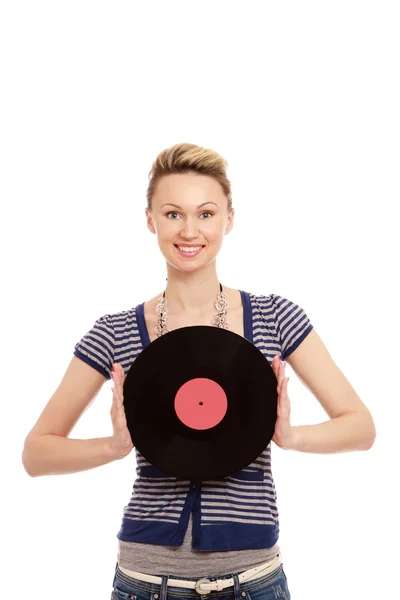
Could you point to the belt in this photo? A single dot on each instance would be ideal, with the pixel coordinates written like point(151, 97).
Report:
point(205, 586)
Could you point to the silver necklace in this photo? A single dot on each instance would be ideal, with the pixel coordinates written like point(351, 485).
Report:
point(219, 320)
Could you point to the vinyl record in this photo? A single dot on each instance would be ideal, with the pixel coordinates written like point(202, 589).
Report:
point(200, 402)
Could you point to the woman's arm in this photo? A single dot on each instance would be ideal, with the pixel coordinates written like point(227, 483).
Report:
point(49, 451)
point(351, 426)
point(50, 454)
point(349, 432)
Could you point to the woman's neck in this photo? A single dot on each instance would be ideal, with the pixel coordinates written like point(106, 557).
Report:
point(192, 295)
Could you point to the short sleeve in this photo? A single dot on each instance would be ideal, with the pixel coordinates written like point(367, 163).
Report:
point(291, 322)
point(96, 348)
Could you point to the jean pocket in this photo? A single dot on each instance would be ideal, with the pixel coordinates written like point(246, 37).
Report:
point(117, 594)
point(271, 588)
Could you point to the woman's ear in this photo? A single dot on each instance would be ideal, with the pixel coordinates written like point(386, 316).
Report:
point(230, 221)
point(150, 223)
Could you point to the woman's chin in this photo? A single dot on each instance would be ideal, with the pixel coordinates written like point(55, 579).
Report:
point(185, 268)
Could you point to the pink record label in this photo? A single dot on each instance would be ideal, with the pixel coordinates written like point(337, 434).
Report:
point(201, 403)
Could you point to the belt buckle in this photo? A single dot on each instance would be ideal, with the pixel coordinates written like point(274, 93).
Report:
point(198, 583)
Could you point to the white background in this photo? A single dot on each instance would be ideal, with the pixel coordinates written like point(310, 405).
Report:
point(302, 99)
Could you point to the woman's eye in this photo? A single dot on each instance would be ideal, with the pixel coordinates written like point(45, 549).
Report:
point(175, 213)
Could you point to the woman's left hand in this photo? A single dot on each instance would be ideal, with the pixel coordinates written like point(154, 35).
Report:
point(283, 436)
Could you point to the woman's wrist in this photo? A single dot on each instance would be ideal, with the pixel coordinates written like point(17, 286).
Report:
point(115, 451)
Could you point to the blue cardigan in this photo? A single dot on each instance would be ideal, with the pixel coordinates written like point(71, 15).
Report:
point(235, 513)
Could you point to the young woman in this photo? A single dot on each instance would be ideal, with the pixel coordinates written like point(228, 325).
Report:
point(180, 538)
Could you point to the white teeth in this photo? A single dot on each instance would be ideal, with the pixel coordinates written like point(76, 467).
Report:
point(189, 249)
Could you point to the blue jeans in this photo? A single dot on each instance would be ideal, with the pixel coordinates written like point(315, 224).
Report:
point(268, 587)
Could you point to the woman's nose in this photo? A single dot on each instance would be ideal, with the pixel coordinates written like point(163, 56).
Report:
point(189, 229)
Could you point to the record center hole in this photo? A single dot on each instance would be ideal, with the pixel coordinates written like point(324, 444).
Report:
point(201, 404)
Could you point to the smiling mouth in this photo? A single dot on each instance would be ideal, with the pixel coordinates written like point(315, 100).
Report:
point(183, 247)
point(188, 250)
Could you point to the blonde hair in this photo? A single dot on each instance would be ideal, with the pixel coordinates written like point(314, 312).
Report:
point(189, 158)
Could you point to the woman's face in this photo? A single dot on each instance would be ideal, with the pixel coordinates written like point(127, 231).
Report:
point(189, 210)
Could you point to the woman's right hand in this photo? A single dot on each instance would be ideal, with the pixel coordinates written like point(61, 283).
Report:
point(121, 441)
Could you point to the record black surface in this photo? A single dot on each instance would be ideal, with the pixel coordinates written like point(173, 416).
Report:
point(230, 361)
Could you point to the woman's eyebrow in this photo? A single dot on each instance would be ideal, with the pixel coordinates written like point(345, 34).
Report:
point(180, 208)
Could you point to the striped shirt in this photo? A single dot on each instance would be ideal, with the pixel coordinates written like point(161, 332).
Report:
point(238, 512)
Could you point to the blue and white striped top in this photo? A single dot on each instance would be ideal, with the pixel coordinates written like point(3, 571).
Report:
point(238, 512)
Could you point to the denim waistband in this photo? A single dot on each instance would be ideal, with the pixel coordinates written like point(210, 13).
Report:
point(146, 586)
